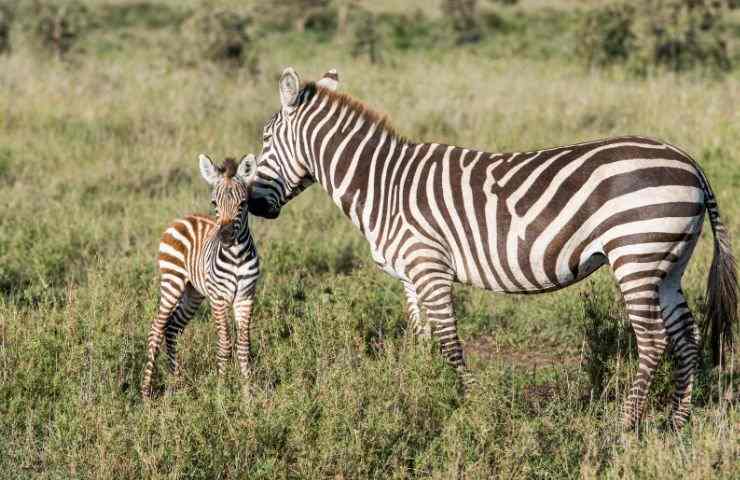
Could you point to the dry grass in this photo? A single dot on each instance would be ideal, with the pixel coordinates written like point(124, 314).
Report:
point(99, 154)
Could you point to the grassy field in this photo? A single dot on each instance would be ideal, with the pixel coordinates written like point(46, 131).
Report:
point(98, 154)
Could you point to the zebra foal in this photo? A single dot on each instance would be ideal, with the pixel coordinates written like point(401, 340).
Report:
point(519, 222)
point(200, 258)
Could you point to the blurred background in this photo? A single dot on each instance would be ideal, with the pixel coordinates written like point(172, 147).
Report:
point(104, 107)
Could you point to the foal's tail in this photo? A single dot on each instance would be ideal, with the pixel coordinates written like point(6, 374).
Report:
point(722, 284)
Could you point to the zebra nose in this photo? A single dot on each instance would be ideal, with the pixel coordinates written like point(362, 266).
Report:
point(227, 234)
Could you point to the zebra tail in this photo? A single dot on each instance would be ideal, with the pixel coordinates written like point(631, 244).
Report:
point(722, 285)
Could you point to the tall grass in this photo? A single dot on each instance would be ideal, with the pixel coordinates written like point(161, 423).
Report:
point(98, 154)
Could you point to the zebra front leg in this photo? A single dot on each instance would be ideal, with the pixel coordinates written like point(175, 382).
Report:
point(438, 304)
point(243, 316)
point(170, 294)
point(179, 319)
point(416, 325)
point(220, 315)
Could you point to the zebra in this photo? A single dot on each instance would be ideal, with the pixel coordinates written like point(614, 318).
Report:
point(199, 258)
point(520, 222)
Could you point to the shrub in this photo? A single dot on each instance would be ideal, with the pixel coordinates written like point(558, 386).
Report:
point(219, 36)
point(366, 37)
point(681, 35)
point(463, 14)
point(677, 35)
point(298, 15)
point(6, 21)
point(606, 34)
point(60, 25)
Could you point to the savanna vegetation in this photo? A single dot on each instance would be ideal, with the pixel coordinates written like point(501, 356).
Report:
point(104, 106)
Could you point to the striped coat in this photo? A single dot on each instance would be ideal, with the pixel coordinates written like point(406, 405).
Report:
point(199, 258)
point(523, 222)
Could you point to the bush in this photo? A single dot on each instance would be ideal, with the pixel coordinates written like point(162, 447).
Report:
point(219, 36)
point(677, 35)
point(60, 25)
point(606, 34)
point(6, 21)
point(366, 37)
point(681, 35)
point(463, 14)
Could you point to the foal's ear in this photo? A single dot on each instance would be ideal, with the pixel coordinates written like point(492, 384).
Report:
point(207, 169)
point(330, 80)
point(290, 84)
point(247, 168)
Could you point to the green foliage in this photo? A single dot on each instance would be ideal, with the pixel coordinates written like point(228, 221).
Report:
point(681, 35)
point(606, 34)
point(60, 25)
point(95, 161)
point(463, 15)
point(219, 35)
point(7, 14)
point(677, 35)
point(367, 40)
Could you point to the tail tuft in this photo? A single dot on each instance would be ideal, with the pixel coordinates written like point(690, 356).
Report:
point(722, 288)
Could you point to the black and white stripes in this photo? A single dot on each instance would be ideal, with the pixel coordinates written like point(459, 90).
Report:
point(523, 222)
point(201, 258)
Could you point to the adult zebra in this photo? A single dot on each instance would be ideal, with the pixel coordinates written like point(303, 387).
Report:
point(523, 222)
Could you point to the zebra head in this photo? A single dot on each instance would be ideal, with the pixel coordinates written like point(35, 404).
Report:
point(284, 169)
point(229, 194)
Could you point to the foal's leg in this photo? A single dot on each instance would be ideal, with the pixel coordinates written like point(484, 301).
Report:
point(179, 319)
point(243, 316)
point(220, 314)
point(170, 293)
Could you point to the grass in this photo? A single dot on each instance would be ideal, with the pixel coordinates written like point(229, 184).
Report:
point(98, 154)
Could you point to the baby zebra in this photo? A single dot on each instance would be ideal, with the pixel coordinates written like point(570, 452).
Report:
point(204, 258)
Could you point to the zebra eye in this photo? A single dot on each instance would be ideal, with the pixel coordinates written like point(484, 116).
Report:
point(266, 138)
point(213, 202)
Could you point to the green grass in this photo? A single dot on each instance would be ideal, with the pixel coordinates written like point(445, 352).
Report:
point(98, 154)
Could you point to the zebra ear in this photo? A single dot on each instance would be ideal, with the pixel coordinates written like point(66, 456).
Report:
point(247, 168)
point(330, 80)
point(290, 84)
point(208, 170)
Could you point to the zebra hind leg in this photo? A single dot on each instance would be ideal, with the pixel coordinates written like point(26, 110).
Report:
point(685, 342)
point(177, 322)
point(170, 294)
point(682, 331)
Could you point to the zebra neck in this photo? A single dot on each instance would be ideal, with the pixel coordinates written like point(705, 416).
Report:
point(352, 161)
point(218, 254)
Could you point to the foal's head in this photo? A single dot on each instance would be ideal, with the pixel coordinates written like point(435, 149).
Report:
point(230, 184)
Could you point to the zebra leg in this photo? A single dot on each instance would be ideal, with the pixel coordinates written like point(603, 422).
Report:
point(170, 294)
point(685, 342)
point(437, 299)
point(639, 285)
point(243, 316)
point(682, 331)
point(416, 325)
point(220, 314)
point(179, 319)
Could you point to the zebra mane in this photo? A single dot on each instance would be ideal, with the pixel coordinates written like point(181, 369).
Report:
point(344, 100)
point(229, 168)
